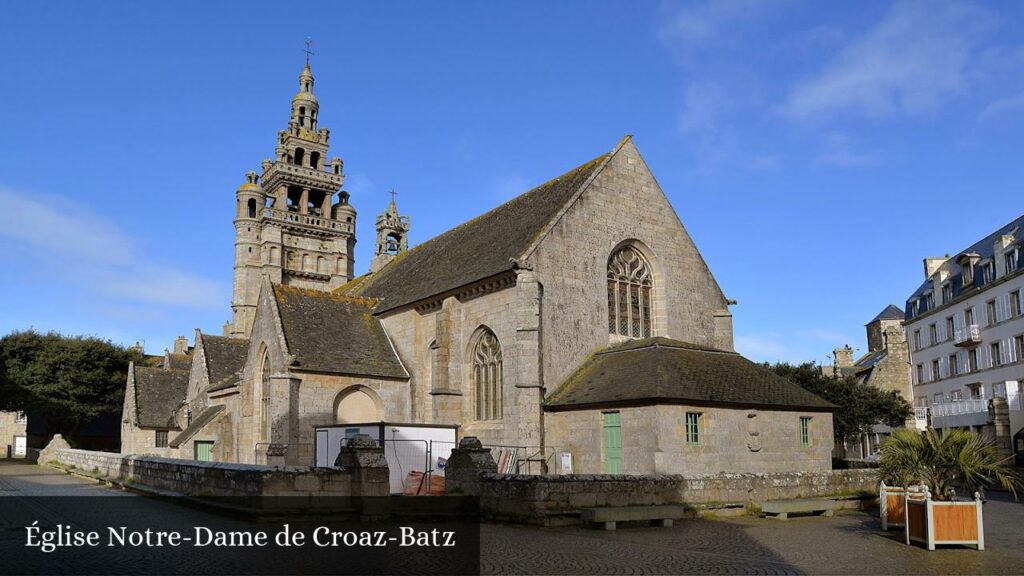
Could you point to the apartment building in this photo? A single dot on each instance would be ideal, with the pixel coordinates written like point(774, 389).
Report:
point(965, 328)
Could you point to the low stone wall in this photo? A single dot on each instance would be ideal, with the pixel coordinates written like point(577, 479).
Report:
point(558, 499)
point(197, 478)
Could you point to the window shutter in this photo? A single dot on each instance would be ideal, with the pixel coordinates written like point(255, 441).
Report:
point(961, 361)
point(981, 315)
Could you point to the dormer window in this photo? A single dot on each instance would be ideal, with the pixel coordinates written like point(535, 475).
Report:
point(947, 293)
point(929, 301)
point(1012, 257)
point(968, 275)
point(988, 272)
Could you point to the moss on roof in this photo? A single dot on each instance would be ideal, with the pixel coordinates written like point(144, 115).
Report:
point(480, 248)
point(335, 333)
point(666, 371)
point(159, 392)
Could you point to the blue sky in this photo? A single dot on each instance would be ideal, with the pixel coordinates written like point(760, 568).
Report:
point(815, 151)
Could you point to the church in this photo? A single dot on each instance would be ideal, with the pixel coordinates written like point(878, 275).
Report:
point(576, 319)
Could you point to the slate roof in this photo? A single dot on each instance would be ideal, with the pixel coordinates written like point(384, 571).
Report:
point(198, 423)
point(177, 362)
point(891, 312)
point(331, 332)
point(665, 371)
point(225, 358)
point(984, 248)
point(478, 249)
point(159, 393)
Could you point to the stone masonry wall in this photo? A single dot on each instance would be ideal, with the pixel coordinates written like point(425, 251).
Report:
point(624, 203)
point(732, 440)
point(221, 479)
point(9, 428)
point(558, 499)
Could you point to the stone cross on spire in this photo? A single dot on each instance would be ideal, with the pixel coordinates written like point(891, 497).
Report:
point(309, 43)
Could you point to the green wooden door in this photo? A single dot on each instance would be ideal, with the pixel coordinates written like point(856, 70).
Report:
point(612, 443)
point(204, 450)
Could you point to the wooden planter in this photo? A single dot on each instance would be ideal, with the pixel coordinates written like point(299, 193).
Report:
point(931, 522)
point(890, 504)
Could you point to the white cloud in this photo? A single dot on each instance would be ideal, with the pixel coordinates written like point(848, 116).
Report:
point(914, 59)
point(82, 248)
point(699, 22)
point(702, 106)
point(1004, 105)
point(839, 152)
point(767, 348)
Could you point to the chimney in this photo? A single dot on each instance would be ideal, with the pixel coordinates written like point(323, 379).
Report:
point(931, 265)
point(843, 357)
point(137, 347)
point(181, 345)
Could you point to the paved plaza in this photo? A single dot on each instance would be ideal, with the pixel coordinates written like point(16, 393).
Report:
point(849, 543)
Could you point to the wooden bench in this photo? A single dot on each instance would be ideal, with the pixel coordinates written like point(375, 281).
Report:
point(663, 515)
point(781, 509)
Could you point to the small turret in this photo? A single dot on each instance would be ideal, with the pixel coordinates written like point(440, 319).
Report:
point(392, 236)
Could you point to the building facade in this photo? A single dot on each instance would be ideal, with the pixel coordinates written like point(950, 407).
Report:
point(13, 434)
point(491, 326)
point(965, 328)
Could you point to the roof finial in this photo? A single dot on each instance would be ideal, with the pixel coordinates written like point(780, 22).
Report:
point(309, 43)
point(392, 194)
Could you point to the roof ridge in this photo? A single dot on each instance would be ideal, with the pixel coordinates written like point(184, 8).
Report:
point(546, 229)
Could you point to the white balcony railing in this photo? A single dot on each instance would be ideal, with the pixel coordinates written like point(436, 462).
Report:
point(968, 335)
point(972, 406)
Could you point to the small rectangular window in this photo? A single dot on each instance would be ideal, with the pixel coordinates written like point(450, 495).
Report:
point(990, 310)
point(1011, 261)
point(693, 428)
point(954, 366)
point(1018, 348)
point(947, 293)
point(939, 398)
point(20, 418)
point(956, 395)
point(1015, 304)
point(936, 374)
point(969, 316)
point(920, 373)
point(950, 328)
point(997, 356)
point(917, 339)
point(161, 438)
point(805, 431)
point(972, 360)
point(933, 334)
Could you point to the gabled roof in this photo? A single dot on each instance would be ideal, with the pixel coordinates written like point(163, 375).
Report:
point(197, 424)
point(159, 393)
point(225, 358)
point(483, 247)
point(330, 332)
point(664, 371)
point(891, 312)
point(177, 361)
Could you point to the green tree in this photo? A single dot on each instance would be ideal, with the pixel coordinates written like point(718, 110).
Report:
point(65, 380)
point(859, 406)
point(945, 461)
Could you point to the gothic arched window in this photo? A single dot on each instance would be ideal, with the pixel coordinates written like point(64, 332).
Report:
point(264, 422)
point(630, 283)
point(487, 379)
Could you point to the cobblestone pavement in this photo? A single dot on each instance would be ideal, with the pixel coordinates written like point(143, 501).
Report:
point(849, 543)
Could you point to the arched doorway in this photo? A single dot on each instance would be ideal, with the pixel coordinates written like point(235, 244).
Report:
point(357, 405)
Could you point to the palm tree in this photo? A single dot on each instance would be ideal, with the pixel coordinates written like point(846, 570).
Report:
point(945, 461)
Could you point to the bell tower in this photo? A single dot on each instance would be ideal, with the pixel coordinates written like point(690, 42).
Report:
point(293, 223)
point(392, 236)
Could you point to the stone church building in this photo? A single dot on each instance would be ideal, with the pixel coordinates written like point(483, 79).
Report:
point(577, 318)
